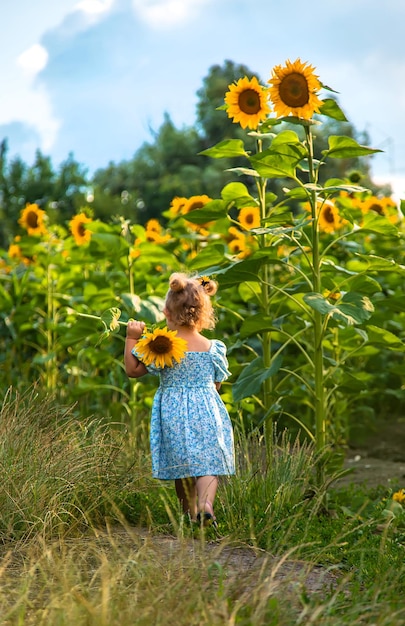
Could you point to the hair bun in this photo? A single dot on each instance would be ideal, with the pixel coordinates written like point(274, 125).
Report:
point(177, 281)
point(210, 286)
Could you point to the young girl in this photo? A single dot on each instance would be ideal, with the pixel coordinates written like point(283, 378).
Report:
point(191, 433)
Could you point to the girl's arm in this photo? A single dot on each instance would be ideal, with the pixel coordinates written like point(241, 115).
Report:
point(133, 367)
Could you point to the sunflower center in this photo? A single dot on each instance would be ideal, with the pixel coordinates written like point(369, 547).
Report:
point(32, 219)
point(377, 208)
point(328, 215)
point(249, 102)
point(294, 91)
point(81, 229)
point(161, 345)
point(195, 205)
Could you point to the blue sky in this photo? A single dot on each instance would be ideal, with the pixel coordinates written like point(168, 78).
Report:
point(93, 77)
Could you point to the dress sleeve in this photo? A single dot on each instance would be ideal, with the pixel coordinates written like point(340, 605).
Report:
point(151, 368)
point(221, 371)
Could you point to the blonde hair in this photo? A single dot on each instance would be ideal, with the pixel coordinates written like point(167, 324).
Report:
point(188, 301)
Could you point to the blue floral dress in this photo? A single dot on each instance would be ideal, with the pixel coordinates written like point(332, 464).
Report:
point(191, 432)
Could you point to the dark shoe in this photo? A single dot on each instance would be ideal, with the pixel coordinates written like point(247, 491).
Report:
point(207, 518)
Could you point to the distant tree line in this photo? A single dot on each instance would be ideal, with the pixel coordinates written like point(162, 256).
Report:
point(168, 166)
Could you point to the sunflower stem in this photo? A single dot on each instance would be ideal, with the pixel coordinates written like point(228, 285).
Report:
point(268, 426)
point(319, 391)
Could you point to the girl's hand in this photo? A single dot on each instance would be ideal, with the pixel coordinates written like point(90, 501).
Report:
point(135, 329)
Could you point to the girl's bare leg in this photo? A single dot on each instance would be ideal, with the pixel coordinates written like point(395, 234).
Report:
point(186, 491)
point(206, 492)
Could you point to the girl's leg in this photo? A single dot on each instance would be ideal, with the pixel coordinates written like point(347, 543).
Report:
point(187, 494)
point(206, 492)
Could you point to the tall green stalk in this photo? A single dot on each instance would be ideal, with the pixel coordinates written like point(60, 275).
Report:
point(266, 335)
point(318, 359)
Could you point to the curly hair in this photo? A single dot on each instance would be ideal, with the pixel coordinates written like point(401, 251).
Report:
point(188, 301)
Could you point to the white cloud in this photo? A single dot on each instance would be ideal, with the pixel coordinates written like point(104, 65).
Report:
point(33, 60)
point(163, 14)
point(94, 7)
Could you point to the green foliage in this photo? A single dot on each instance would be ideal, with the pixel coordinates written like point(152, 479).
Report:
point(58, 474)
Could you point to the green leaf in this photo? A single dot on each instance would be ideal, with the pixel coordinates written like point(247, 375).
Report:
point(354, 308)
point(235, 192)
point(240, 271)
point(346, 148)
point(226, 149)
point(213, 253)
point(251, 378)
point(280, 163)
point(384, 337)
point(286, 136)
point(110, 318)
point(330, 108)
point(375, 223)
point(375, 263)
point(210, 212)
point(256, 324)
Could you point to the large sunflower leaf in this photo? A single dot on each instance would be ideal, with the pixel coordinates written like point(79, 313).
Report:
point(256, 324)
point(375, 223)
point(346, 148)
point(226, 149)
point(330, 108)
point(252, 376)
point(354, 308)
point(377, 335)
point(210, 212)
point(364, 262)
point(213, 253)
point(246, 270)
point(280, 163)
point(236, 192)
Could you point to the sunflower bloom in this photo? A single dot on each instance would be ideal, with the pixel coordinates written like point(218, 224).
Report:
point(239, 246)
point(177, 206)
point(399, 496)
point(78, 228)
point(247, 102)
point(382, 206)
point(193, 204)
point(32, 218)
point(294, 90)
point(249, 217)
point(153, 232)
point(329, 220)
point(153, 225)
point(161, 348)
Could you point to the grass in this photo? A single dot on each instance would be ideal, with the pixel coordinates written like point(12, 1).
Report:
point(88, 538)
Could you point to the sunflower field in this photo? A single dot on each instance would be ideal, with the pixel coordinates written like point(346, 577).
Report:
point(311, 280)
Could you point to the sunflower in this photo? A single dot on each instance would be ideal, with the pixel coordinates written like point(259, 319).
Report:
point(385, 206)
point(249, 217)
point(153, 225)
point(247, 102)
point(293, 90)
point(235, 233)
point(15, 252)
point(177, 206)
point(155, 237)
point(239, 247)
point(193, 204)
point(161, 348)
point(399, 496)
point(329, 219)
point(32, 219)
point(79, 230)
